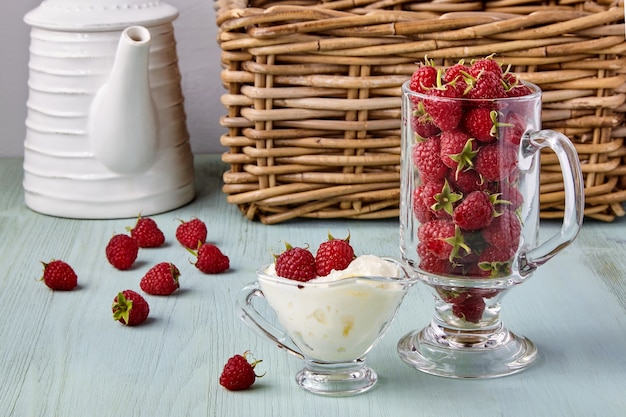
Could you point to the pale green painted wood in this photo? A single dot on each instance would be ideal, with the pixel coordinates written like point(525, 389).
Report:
point(61, 354)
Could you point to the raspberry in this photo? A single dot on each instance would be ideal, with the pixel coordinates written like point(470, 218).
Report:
point(495, 261)
point(486, 85)
point(424, 78)
point(121, 251)
point(191, 234)
point(147, 233)
point(421, 211)
point(446, 114)
point(495, 163)
point(457, 150)
point(514, 128)
point(422, 124)
point(161, 279)
point(427, 158)
point(440, 198)
point(474, 212)
point(59, 275)
point(487, 64)
point(334, 254)
point(238, 373)
point(432, 263)
point(443, 239)
point(467, 181)
point(514, 87)
point(504, 230)
point(455, 72)
point(296, 263)
point(210, 259)
point(130, 308)
point(481, 123)
point(471, 309)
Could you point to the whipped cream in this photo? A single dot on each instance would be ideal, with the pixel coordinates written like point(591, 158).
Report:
point(335, 318)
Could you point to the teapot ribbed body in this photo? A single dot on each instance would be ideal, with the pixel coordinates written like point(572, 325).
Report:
point(62, 177)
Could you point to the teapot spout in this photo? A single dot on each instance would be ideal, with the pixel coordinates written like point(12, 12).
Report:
point(123, 126)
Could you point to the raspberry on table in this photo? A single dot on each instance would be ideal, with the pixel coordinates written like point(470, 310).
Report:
point(59, 275)
point(147, 233)
point(130, 308)
point(121, 251)
point(191, 233)
point(210, 259)
point(238, 373)
point(161, 279)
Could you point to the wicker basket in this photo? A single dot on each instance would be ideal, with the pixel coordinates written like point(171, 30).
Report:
point(313, 123)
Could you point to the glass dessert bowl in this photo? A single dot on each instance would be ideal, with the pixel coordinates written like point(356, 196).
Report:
point(331, 323)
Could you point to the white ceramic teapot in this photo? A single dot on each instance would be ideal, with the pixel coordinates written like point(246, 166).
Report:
point(106, 133)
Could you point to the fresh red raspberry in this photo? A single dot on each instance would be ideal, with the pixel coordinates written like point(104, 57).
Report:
point(427, 158)
point(443, 239)
point(466, 181)
point(441, 106)
point(458, 149)
point(486, 85)
point(423, 126)
point(514, 86)
point(514, 127)
point(431, 263)
point(494, 162)
point(192, 233)
point(210, 259)
point(481, 123)
point(130, 308)
point(161, 279)
point(455, 72)
point(296, 263)
point(147, 233)
point(59, 275)
point(121, 251)
point(238, 373)
point(421, 211)
point(504, 230)
point(334, 254)
point(470, 310)
point(487, 64)
point(424, 78)
point(440, 198)
point(495, 261)
point(474, 212)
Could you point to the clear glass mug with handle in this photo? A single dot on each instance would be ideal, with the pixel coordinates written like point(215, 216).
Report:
point(469, 223)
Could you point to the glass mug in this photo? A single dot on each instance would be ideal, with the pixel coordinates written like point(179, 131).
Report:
point(331, 325)
point(469, 220)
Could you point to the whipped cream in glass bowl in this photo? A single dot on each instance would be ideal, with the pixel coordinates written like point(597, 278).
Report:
point(330, 322)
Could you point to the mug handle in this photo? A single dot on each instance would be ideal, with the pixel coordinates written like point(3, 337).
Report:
point(259, 324)
point(574, 197)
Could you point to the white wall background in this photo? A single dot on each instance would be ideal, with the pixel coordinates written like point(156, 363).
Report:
point(199, 63)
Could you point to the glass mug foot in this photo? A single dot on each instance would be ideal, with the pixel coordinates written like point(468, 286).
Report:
point(456, 354)
point(336, 379)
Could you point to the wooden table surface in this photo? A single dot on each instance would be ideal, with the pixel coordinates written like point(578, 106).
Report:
point(61, 353)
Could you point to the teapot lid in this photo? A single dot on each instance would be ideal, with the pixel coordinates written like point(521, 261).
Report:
point(99, 15)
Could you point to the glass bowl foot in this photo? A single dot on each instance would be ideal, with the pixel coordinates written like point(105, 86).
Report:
point(466, 354)
point(336, 381)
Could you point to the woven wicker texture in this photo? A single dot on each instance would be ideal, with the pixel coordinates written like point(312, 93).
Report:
point(313, 95)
